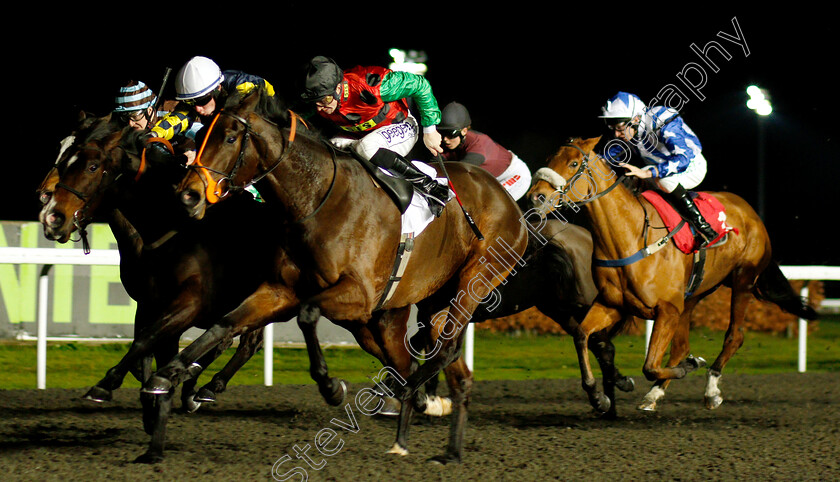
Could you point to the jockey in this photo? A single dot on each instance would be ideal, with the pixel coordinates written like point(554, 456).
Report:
point(135, 105)
point(668, 146)
point(463, 144)
point(369, 108)
point(201, 87)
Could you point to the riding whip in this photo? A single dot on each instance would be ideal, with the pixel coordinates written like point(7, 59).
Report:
point(162, 86)
point(470, 221)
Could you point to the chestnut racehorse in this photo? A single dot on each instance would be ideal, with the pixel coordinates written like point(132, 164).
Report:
point(654, 287)
point(181, 273)
point(344, 233)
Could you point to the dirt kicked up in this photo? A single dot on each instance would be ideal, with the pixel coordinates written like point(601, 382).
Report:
point(770, 427)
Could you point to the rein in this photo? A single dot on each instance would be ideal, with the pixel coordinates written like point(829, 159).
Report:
point(213, 192)
point(638, 255)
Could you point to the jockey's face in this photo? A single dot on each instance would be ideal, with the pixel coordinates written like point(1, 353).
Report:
point(626, 130)
point(206, 109)
point(452, 139)
point(327, 105)
point(140, 122)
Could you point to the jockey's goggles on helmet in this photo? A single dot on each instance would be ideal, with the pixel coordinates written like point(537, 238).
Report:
point(618, 124)
point(200, 101)
point(451, 133)
point(132, 116)
point(325, 101)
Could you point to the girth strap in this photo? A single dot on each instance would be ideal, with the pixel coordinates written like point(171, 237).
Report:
point(400, 263)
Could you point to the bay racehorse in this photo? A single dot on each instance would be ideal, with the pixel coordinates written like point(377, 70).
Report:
point(344, 233)
point(651, 281)
point(556, 279)
point(180, 272)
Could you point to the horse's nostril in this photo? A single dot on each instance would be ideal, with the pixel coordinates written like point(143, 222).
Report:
point(55, 219)
point(190, 198)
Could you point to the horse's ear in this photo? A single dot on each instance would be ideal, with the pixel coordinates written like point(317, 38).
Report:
point(589, 144)
point(82, 116)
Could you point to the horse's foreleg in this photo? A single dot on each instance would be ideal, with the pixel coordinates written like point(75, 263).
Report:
point(177, 318)
point(249, 344)
point(679, 351)
point(156, 415)
point(188, 401)
point(733, 340)
point(270, 303)
point(598, 318)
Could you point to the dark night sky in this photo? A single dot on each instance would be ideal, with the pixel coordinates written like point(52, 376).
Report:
point(530, 79)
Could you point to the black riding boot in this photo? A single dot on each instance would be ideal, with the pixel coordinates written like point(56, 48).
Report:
point(436, 193)
point(687, 209)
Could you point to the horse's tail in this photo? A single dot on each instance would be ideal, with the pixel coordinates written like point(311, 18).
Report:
point(773, 286)
point(554, 259)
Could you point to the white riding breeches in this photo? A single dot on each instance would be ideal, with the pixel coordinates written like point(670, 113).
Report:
point(689, 179)
point(517, 178)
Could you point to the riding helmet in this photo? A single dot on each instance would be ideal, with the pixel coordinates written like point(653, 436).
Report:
point(322, 76)
point(622, 106)
point(196, 78)
point(454, 116)
point(134, 96)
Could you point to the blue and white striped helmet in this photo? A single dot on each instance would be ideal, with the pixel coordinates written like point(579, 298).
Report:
point(623, 106)
point(134, 96)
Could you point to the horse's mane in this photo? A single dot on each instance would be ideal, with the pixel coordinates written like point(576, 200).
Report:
point(272, 107)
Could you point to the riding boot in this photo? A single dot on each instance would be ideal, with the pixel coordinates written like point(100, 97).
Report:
point(435, 193)
point(687, 209)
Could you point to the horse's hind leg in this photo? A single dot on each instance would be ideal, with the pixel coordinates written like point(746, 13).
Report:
point(733, 340)
point(460, 381)
point(249, 344)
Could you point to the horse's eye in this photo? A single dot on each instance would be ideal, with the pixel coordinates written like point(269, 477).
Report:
point(93, 167)
point(574, 164)
point(231, 139)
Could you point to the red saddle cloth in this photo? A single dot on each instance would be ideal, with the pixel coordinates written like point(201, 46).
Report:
point(709, 207)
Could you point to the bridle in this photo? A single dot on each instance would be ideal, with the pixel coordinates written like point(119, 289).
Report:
point(216, 190)
point(81, 217)
point(562, 187)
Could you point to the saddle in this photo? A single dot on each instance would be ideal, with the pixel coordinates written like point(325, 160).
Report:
point(399, 190)
point(684, 238)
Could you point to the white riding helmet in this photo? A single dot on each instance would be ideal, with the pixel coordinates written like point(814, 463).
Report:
point(623, 106)
point(196, 78)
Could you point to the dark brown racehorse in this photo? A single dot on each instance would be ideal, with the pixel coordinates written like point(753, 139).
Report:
point(654, 287)
point(344, 233)
point(181, 273)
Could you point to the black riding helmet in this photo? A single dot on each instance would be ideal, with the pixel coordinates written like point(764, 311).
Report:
point(454, 117)
point(322, 76)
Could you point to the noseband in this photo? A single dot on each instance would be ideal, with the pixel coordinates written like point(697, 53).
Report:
point(562, 186)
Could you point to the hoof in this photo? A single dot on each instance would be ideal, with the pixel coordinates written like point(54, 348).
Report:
point(98, 394)
point(397, 449)
point(148, 458)
point(157, 386)
point(647, 406)
point(601, 403)
point(696, 361)
point(390, 408)
point(336, 398)
point(190, 404)
point(438, 406)
point(625, 384)
point(205, 395)
point(194, 370)
point(445, 459)
point(713, 402)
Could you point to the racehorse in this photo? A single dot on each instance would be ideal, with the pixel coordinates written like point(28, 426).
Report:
point(557, 280)
point(181, 273)
point(344, 234)
point(651, 283)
